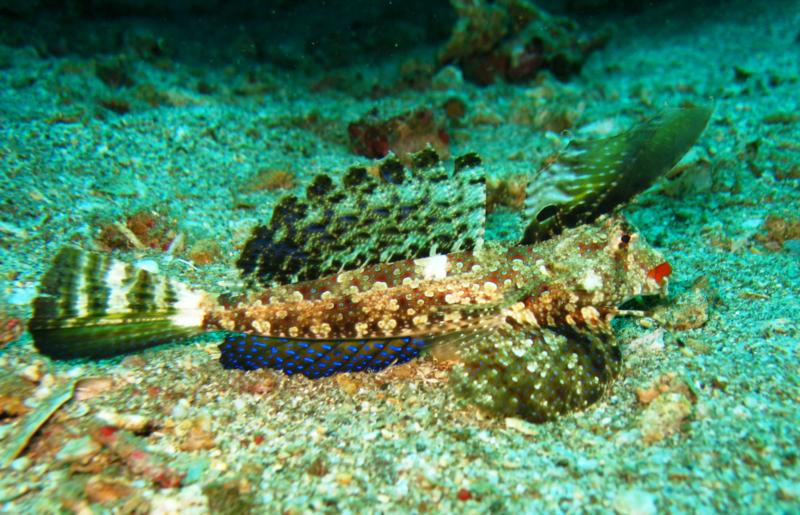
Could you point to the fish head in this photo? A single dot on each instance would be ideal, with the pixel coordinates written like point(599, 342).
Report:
point(608, 262)
point(635, 266)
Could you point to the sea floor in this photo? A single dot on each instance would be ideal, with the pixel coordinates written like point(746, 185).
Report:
point(704, 419)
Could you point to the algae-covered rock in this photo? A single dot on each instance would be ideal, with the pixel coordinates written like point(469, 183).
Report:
point(514, 40)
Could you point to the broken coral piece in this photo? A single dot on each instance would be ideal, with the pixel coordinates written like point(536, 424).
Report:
point(690, 309)
point(506, 191)
point(513, 40)
point(34, 421)
point(142, 230)
point(776, 230)
point(11, 328)
point(403, 134)
point(140, 462)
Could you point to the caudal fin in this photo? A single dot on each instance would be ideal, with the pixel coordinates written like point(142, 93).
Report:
point(91, 306)
point(317, 358)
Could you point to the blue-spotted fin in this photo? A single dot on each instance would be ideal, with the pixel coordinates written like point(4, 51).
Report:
point(316, 358)
point(590, 178)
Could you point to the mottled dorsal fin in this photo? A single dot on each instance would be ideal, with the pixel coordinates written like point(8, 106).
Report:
point(591, 178)
point(372, 216)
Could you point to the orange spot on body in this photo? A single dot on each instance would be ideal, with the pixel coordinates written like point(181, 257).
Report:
point(660, 272)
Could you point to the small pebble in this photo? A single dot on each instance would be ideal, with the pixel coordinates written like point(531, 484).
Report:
point(33, 373)
point(78, 449)
point(664, 417)
point(104, 490)
point(521, 426)
point(131, 422)
point(187, 501)
point(635, 502)
point(48, 380)
point(21, 464)
point(789, 490)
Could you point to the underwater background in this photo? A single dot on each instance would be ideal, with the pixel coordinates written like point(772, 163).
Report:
point(165, 132)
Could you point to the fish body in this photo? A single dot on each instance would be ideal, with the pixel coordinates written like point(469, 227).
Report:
point(392, 261)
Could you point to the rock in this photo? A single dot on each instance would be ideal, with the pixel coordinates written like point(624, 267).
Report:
point(664, 416)
point(789, 490)
point(690, 309)
point(105, 490)
point(650, 343)
point(513, 41)
point(11, 407)
point(635, 502)
point(186, 501)
point(92, 386)
point(449, 77)
point(131, 422)
point(374, 137)
point(33, 372)
point(78, 450)
point(521, 426)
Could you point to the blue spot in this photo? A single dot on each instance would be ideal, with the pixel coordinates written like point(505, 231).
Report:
point(290, 351)
point(352, 348)
point(303, 344)
point(326, 346)
point(310, 360)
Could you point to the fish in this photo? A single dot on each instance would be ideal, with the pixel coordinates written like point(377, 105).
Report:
point(391, 261)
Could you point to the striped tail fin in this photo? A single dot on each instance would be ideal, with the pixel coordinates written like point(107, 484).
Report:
point(91, 306)
point(317, 358)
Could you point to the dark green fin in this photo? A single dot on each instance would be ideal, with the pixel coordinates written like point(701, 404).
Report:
point(91, 306)
point(536, 375)
point(387, 214)
point(591, 178)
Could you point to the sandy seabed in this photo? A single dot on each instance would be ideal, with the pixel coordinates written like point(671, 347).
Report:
point(704, 419)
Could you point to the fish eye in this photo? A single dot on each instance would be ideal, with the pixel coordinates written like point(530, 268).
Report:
point(625, 240)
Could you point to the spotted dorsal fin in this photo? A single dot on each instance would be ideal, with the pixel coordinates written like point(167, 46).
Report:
point(371, 216)
point(590, 178)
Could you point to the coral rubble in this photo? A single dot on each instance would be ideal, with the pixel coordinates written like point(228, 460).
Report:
point(514, 40)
